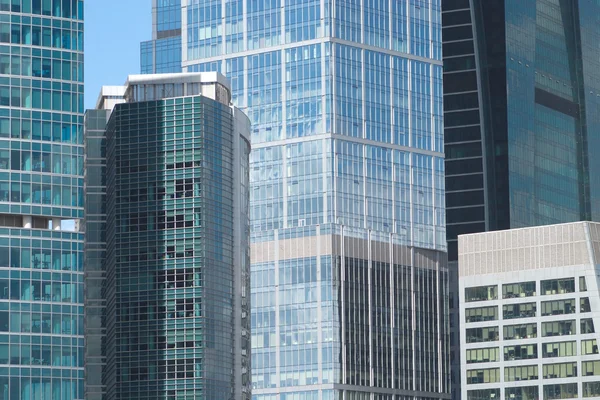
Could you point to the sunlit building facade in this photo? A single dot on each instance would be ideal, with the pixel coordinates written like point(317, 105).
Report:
point(348, 268)
point(41, 187)
point(529, 307)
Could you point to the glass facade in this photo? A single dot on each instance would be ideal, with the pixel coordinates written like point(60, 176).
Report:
point(162, 54)
point(168, 278)
point(345, 104)
point(95, 250)
point(518, 126)
point(41, 186)
point(520, 90)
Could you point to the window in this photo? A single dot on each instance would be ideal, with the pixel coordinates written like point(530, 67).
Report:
point(524, 331)
point(521, 289)
point(481, 314)
point(584, 305)
point(483, 394)
point(489, 354)
point(591, 389)
point(562, 391)
point(582, 284)
point(521, 393)
point(481, 293)
point(587, 326)
point(521, 373)
point(512, 311)
point(562, 370)
point(589, 368)
point(558, 286)
point(562, 349)
point(487, 334)
point(558, 328)
point(557, 307)
point(589, 347)
point(489, 375)
point(520, 352)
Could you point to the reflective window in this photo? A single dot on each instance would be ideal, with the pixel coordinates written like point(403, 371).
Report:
point(481, 293)
point(487, 334)
point(520, 352)
point(562, 349)
point(481, 314)
point(521, 373)
point(489, 354)
point(558, 307)
point(558, 286)
point(558, 328)
point(524, 331)
point(490, 375)
point(521, 289)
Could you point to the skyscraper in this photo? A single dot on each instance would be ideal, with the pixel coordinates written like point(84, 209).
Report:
point(168, 299)
point(521, 102)
point(41, 186)
point(347, 191)
point(162, 54)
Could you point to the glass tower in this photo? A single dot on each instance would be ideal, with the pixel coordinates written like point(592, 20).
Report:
point(162, 54)
point(167, 290)
point(41, 187)
point(348, 268)
point(521, 101)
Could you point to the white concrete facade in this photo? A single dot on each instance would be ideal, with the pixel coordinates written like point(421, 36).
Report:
point(548, 326)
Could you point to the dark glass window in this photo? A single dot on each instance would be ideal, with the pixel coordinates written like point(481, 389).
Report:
point(459, 64)
point(465, 214)
point(457, 33)
point(474, 181)
point(461, 118)
point(458, 199)
point(462, 229)
point(463, 150)
point(456, 18)
point(462, 134)
point(460, 82)
point(461, 101)
point(468, 166)
point(458, 48)
point(454, 4)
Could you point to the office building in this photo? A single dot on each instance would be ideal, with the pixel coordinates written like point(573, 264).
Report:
point(95, 243)
point(521, 101)
point(347, 188)
point(529, 305)
point(521, 94)
point(162, 54)
point(41, 195)
point(168, 285)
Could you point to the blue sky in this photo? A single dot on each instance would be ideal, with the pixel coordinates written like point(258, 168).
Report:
point(113, 32)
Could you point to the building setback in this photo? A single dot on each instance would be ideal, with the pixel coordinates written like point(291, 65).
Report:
point(41, 187)
point(529, 307)
point(173, 314)
point(347, 188)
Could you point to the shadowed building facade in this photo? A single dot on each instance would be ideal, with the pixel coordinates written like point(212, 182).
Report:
point(521, 102)
point(173, 314)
